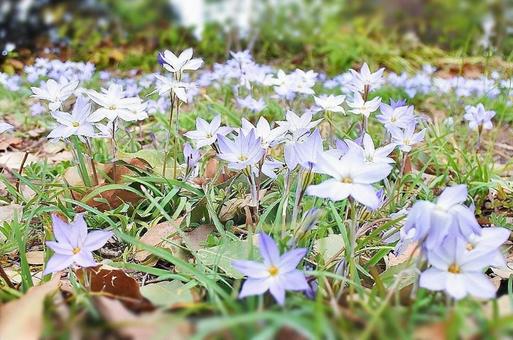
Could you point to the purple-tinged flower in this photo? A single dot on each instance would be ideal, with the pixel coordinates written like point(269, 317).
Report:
point(191, 155)
point(431, 223)
point(369, 153)
point(276, 274)
point(74, 245)
point(488, 244)
point(183, 62)
point(306, 153)
point(397, 103)
point(478, 117)
point(330, 103)
point(351, 176)
point(270, 167)
point(206, 133)
point(55, 92)
point(78, 123)
point(5, 127)
point(364, 81)
point(341, 148)
point(37, 109)
point(406, 138)
point(361, 107)
point(245, 151)
point(396, 117)
point(457, 271)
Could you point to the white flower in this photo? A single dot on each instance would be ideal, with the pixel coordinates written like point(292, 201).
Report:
point(113, 104)
point(206, 133)
point(369, 153)
point(167, 85)
point(183, 62)
point(78, 123)
point(330, 103)
point(364, 81)
point(268, 136)
point(362, 107)
point(296, 123)
point(55, 92)
point(477, 117)
point(457, 272)
point(350, 176)
point(406, 138)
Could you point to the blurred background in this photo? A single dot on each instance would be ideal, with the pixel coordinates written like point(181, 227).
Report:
point(331, 35)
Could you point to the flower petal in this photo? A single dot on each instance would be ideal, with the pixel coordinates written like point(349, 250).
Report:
point(57, 262)
point(452, 195)
point(96, 239)
point(433, 279)
point(251, 269)
point(294, 280)
point(254, 287)
point(268, 249)
point(289, 261)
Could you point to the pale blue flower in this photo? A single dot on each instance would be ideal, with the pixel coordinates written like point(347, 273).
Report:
point(73, 244)
point(276, 274)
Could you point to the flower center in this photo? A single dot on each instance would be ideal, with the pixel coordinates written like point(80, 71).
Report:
point(470, 246)
point(454, 268)
point(76, 250)
point(393, 119)
point(347, 180)
point(112, 107)
point(243, 158)
point(273, 270)
point(75, 124)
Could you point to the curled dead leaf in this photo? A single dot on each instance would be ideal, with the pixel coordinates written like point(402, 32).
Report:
point(23, 318)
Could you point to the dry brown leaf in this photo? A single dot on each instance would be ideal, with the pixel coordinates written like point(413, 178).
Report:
point(195, 238)
point(154, 325)
point(7, 212)
point(12, 160)
point(114, 283)
point(155, 235)
point(36, 257)
point(23, 318)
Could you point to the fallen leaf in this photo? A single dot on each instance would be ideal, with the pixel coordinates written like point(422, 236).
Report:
point(168, 294)
point(195, 238)
point(329, 247)
point(154, 325)
point(36, 257)
point(223, 255)
point(12, 160)
point(23, 318)
point(8, 212)
point(114, 283)
point(155, 236)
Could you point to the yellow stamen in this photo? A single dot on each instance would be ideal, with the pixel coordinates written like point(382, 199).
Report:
point(76, 250)
point(470, 246)
point(75, 124)
point(347, 180)
point(243, 158)
point(273, 270)
point(454, 268)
